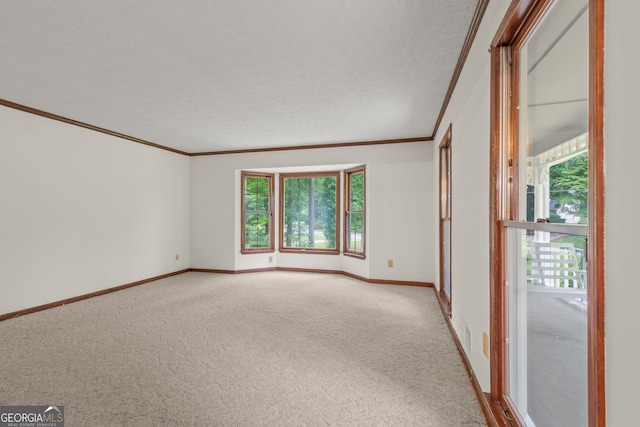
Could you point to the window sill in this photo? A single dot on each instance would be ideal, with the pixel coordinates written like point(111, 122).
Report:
point(354, 255)
point(257, 251)
point(310, 251)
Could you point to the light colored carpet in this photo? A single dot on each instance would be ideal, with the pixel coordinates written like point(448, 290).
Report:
point(257, 349)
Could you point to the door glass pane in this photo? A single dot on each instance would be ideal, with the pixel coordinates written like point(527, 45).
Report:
point(445, 215)
point(547, 306)
point(554, 117)
point(444, 183)
point(447, 256)
point(546, 298)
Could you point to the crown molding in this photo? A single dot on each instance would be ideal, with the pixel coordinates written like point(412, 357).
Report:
point(86, 126)
point(315, 146)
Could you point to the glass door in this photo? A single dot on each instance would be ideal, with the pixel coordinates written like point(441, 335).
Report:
point(445, 219)
point(546, 251)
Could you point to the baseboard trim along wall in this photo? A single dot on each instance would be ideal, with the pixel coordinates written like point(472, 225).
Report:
point(213, 270)
point(483, 398)
point(86, 296)
point(312, 270)
point(202, 270)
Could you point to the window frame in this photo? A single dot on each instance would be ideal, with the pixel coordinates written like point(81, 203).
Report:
point(520, 19)
point(243, 244)
point(347, 210)
point(446, 196)
point(282, 178)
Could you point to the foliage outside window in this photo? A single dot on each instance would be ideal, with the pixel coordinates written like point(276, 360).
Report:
point(569, 188)
point(354, 212)
point(257, 212)
point(309, 212)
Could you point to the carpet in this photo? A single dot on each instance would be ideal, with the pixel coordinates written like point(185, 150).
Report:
point(257, 349)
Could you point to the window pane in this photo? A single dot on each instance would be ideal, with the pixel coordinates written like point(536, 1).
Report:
point(355, 231)
point(310, 212)
point(257, 194)
point(257, 212)
point(554, 116)
point(257, 231)
point(568, 188)
point(354, 209)
point(356, 198)
point(547, 318)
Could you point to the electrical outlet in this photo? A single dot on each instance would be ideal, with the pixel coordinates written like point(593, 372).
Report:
point(485, 344)
point(390, 263)
point(270, 258)
point(177, 257)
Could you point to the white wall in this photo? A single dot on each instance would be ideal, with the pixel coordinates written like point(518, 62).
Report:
point(399, 197)
point(622, 205)
point(468, 112)
point(81, 211)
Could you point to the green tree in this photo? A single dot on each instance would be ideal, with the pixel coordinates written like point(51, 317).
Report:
point(296, 210)
point(257, 212)
point(355, 216)
point(569, 186)
point(309, 205)
point(325, 196)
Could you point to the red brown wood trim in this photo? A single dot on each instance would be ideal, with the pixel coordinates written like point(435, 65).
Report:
point(314, 270)
point(309, 270)
point(513, 21)
point(400, 282)
point(257, 251)
point(596, 277)
point(86, 296)
point(251, 270)
point(444, 213)
point(498, 413)
point(346, 207)
point(442, 303)
point(495, 194)
point(86, 126)
point(354, 255)
point(307, 251)
point(353, 276)
point(270, 177)
point(464, 53)
point(207, 153)
point(314, 146)
point(362, 278)
point(482, 399)
point(212, 270)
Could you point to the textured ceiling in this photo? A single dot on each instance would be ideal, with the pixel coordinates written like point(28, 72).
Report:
point(218, 75)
